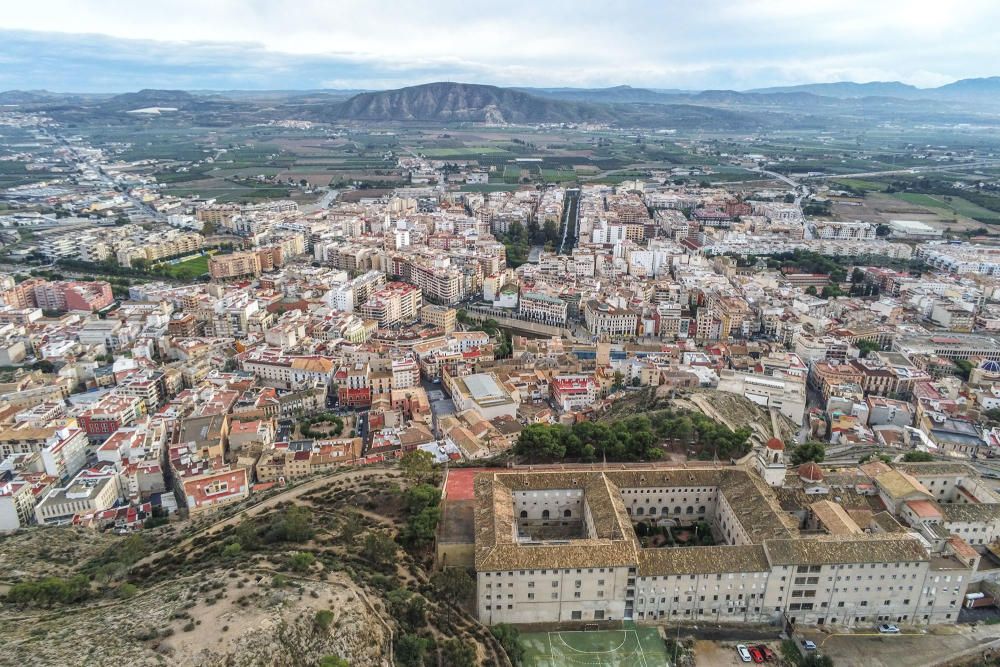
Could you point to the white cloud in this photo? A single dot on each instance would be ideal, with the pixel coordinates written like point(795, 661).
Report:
point(709, 44)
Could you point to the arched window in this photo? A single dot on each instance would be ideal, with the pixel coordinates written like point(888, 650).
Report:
point(545, 514)
point(652, 510)
point(701, 509)
point(639, 511)
point(568, 513)
point(776, 457)
point(677, 510)
point(524, 514)
point(690, 509)
point(665, 511)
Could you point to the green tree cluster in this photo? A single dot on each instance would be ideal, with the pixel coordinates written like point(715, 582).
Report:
point(50, 591)
point(917, 457)
point(408, 608)
point(510, 639)
point(327, 418)
point(421, 504)
point(635, 438)
point(810, 262)
point(809, 451)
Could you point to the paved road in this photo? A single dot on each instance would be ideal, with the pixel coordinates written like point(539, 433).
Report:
point(959, 166)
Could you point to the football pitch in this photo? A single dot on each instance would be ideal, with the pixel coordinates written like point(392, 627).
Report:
point(631, 647)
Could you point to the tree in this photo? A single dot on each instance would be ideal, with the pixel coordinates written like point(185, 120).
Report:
point(867, 347)
point(992, 415)
point(964, 368)
point(457, 653)
point(510, 639)
point(810, 451)
point(323, 619)
point(537, 442)
point(417, 465)
point(418, 498)
point(811, 290)
point(419, 529)
point(411, 650)
point(294, 524)
point(351, 527)
point(814, 660)
point(453, 586)
point(50, 591)
point(379, 550)
point(917, 457)
point(333, 661)
point(410, 609)
point(301, 561)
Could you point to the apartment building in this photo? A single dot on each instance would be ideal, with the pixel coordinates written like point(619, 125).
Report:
point(109, 414)
point(91, 490)
point(396, 303)
point(295, 460)
point(236, 265)
point(205, 484)
point(603, 319)
point(573, 392)
point(542, 307)
point(439, 316)
point(64, 296)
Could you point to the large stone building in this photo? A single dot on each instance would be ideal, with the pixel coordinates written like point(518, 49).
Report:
point(563, 546)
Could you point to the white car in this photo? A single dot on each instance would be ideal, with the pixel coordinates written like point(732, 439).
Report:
point(744, 653)
point(887, 629)
point(808, 644)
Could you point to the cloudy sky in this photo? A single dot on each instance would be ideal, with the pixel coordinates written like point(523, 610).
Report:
point(120, 45)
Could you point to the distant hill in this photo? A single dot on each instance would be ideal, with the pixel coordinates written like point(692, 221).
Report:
point(25, 96)
point(454, 102)
point(971, 89)
point(849, 89)
point(615, 95)
point(178, 99)
point(449, 102)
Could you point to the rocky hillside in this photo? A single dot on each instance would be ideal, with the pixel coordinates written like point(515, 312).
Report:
point(338, 566)
point(449, 102)
point(214, 619)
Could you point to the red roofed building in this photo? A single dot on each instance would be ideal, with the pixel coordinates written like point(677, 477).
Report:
point(206, 483)
point(573, 392)
point(109, 414)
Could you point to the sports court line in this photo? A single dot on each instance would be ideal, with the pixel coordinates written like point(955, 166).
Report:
point(614, 650)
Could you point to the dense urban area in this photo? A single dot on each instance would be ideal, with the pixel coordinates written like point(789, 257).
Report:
point(695, 387)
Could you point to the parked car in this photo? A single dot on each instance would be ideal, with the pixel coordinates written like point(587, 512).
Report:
point(887, 629)
point(766, 652)
point(808, 645)
point(743, 652)
point(756, 655)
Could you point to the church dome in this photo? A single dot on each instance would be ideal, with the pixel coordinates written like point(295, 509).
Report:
point(775, 444)
point(810, 472)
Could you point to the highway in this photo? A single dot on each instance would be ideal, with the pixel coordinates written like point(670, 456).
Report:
point(961, 166)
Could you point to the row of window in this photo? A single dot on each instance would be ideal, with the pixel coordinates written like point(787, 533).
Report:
point(666, 510)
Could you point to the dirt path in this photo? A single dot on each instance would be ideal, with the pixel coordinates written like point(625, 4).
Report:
point(268, 503)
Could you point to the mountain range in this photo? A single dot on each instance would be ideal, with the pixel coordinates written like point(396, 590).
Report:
point(803, 106)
